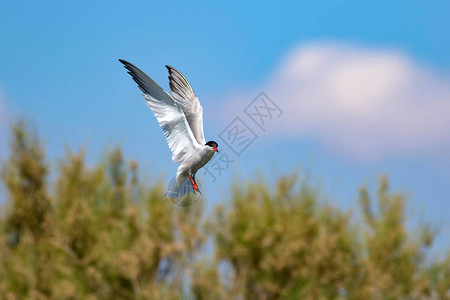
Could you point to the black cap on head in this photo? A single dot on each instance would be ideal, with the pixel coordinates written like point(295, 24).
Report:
point(212, 144)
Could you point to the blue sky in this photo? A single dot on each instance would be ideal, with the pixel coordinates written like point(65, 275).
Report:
point(59, 70)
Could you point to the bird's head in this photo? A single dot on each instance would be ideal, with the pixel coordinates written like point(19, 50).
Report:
point(213, 145)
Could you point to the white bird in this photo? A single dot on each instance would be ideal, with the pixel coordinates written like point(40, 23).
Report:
point(181, 117)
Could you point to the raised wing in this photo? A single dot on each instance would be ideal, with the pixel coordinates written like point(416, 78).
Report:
point(184, 95)
point(170, 116)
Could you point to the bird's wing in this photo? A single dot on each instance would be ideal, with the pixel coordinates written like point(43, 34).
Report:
point(184, 95)
point(170, 116)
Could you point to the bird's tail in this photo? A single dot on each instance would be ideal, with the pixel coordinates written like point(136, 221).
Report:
point(182, 192)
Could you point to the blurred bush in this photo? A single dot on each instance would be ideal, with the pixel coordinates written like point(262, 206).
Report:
point(98, 232)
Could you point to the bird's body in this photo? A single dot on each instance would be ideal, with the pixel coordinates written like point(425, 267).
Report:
point(181, 117)
point(195, 161)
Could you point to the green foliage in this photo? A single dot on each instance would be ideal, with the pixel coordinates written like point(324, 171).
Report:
point(97, 232)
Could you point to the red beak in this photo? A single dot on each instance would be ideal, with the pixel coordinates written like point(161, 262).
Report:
point(215, 149)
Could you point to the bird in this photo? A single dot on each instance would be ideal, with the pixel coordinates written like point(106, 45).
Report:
point(180, 116)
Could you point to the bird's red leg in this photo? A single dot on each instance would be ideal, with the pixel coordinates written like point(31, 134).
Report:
point(194, 184)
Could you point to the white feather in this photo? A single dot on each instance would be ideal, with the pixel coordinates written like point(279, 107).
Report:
point(184, 95)
point(168, 113)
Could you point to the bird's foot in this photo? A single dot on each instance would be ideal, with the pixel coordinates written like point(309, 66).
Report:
point(194, 184)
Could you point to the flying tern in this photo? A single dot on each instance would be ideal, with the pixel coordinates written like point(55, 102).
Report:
point(180, 116)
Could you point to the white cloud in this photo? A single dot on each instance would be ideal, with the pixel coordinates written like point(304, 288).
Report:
point(363, 102)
